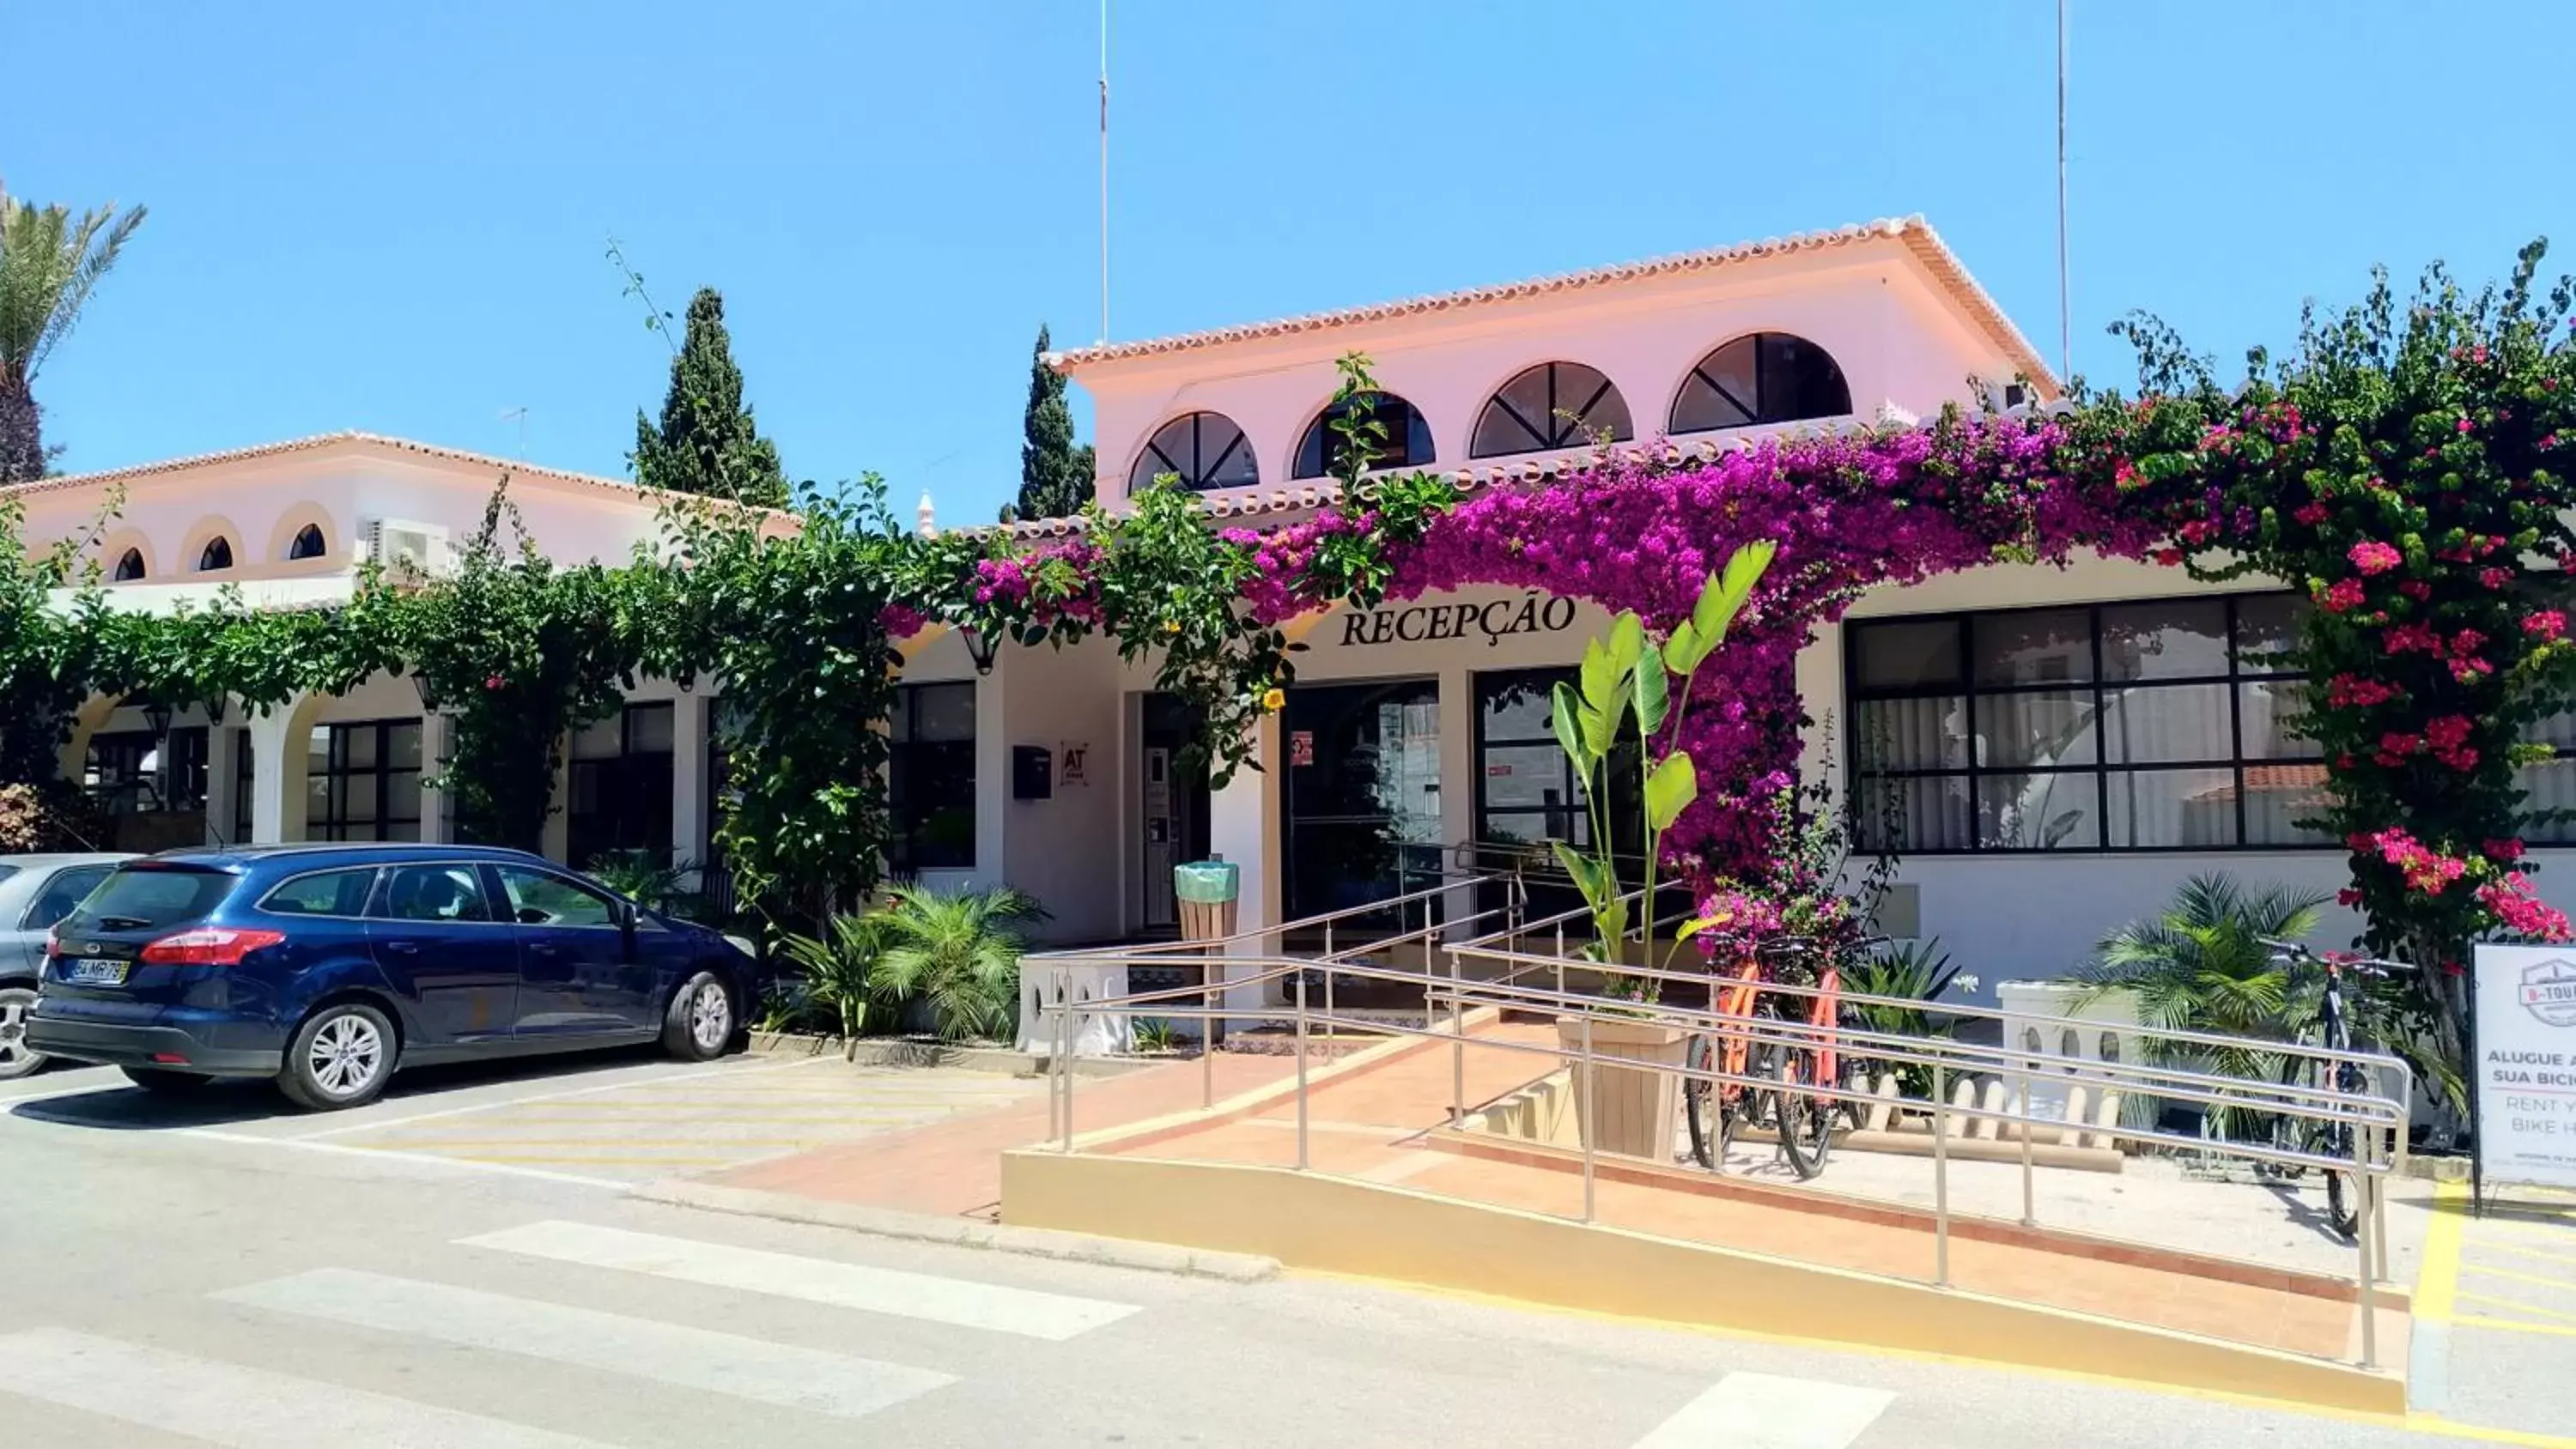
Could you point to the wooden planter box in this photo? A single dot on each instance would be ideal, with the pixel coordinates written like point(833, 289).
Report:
point(1633, 1111)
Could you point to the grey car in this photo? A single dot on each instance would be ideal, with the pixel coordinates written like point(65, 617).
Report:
point(35, 892)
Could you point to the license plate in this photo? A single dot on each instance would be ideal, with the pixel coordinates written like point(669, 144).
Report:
point(84, 971)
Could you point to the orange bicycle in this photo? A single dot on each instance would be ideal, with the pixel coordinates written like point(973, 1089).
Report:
point(1800, 1117)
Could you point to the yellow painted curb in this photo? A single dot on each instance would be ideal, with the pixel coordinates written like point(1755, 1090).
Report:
point(1312, 1221)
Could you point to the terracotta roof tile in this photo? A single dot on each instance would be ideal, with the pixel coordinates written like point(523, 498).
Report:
point(316, 443)
point(1913, 232)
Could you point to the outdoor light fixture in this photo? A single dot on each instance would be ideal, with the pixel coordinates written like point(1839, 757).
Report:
point(156, 715)
point(214, 708)
point(978, 648)
point(428, 692)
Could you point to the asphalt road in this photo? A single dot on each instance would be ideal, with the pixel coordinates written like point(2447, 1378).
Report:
point(211, 1274)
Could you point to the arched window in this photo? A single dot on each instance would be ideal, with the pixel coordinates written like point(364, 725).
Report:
point(129, 566)
point(1553, 405)
point(1768, 377)
point(1203, 450)
point(308, 543)
point(1408, 437)
point(216, 556)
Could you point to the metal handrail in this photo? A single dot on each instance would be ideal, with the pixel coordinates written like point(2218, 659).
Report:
point(1160, 949)
point(2354, 1055)
point(2368, 1114)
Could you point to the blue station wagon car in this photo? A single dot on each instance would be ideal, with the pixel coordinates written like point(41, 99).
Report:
point(326, 967)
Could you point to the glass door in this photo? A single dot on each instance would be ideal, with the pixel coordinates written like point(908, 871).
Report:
point(1362, 794)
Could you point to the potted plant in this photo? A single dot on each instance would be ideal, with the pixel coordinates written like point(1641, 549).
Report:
point(1635, 1110)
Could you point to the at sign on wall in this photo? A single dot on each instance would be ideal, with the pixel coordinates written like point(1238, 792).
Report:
point(2526, 1074)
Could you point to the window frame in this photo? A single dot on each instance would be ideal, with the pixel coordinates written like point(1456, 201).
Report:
point(1762, 414)
point(1575, 433)
point(1207, 474)
point(1969, 691)
point(295, 550)
point(904, 837)
point(1399, 452)
point(206, 552)
point(617, 770)
point(118, 574)
point(336, 771)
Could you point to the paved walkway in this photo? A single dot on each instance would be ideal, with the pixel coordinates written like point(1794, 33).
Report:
point(954, 1167)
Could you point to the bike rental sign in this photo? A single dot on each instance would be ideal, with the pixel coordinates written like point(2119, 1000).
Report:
point(2526, 1072)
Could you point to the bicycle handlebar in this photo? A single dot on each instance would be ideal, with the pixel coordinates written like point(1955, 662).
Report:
point(2342, 960)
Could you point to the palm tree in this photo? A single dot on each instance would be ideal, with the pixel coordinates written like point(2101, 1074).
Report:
point(2202, 966)
point(49, 262)
point(958, 954)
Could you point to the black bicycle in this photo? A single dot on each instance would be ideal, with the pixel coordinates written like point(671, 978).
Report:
point(2334, 1032)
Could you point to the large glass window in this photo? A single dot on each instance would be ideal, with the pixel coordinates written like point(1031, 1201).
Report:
point(2165, 725)
point(1768, 377)
point(1202, 450)
point(621, 776)
point(930, 779)
point(1362, 793)
point(1552, 405)
point(1407, 444)
point(362, 781)
point(1527, 792)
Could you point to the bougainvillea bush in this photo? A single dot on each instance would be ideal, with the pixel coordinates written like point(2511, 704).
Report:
point(2410, 468)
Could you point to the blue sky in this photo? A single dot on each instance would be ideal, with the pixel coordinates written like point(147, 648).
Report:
point(392, 217)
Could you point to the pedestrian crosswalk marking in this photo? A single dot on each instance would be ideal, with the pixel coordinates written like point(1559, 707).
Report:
point(1761, 1411)
point(238, 1406)
point(1023, 1311)
point(770, 1373)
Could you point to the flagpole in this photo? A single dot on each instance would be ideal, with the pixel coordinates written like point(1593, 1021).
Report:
point(2065, 311)
point(1104, 170)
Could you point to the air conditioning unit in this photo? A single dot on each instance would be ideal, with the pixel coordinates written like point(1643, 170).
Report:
point(408, 550)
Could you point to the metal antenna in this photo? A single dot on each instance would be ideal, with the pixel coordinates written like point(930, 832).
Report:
point(1104, 171)
point(2065, 313)
point(520, 416)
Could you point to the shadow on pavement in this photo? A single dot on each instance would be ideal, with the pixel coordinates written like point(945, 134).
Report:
point(119, 1107)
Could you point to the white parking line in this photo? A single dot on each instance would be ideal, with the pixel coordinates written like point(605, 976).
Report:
point(246, 1408)
point(1023, 1311)
point(1759, 1411)
point(387, 1154)
point(668, 1353)
point(379, 1123)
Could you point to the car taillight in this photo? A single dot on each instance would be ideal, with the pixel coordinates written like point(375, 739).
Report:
point(208, 946)
point(53, 943)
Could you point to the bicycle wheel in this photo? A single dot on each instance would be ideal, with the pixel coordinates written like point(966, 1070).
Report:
point(1702, 1104)
point(1805, 1121)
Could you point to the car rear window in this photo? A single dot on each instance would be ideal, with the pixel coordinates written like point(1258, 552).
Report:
point(7, 871)
point(148, 897)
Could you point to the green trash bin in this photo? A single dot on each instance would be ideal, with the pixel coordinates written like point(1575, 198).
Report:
point(1208, 891)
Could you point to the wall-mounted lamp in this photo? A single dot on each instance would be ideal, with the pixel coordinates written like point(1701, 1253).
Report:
point(978, 648)
point(428, 692)
point(156, 716)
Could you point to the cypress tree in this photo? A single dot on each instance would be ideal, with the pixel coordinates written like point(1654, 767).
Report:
point(707, 442)
point(1055, 475)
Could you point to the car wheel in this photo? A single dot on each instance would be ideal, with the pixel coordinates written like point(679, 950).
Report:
point(17, 1059)
point(699, 1025)
point(155, 1079)
point(341, 1057)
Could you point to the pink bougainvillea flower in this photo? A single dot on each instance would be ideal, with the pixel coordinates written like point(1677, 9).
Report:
point(2312, 514)
point(2546, 624)
point(493, 682)
point(2342, 596)
point(2373, 557)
